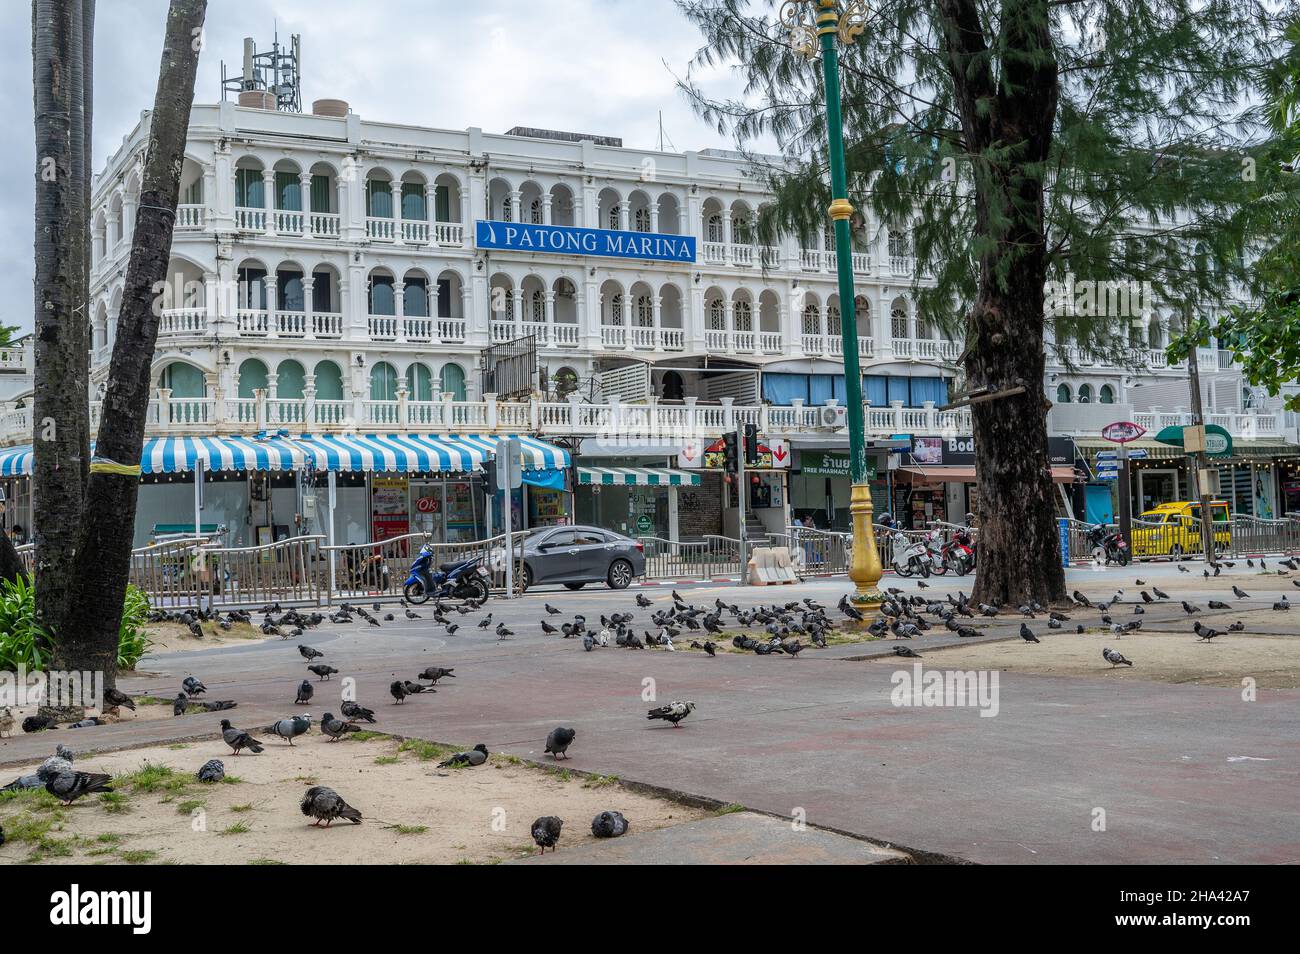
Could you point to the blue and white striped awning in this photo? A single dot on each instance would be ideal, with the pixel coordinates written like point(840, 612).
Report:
point(637, 477)
point(348, 452)
point(420, 452)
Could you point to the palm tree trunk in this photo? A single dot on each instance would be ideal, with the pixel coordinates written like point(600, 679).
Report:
point(103, 561)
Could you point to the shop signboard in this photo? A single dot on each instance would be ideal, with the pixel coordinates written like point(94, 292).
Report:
point(1218, 442)
point(1122, 432)
point(830, 464)
point(773, 454)
point(960, 451)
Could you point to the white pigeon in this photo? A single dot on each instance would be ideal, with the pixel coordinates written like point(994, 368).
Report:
point(604, 637)
point(668, 644)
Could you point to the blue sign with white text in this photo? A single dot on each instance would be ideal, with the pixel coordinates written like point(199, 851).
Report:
point(568, 240)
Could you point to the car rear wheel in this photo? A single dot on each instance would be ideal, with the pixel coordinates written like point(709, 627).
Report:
point(620, 575)
point(528, 577)
point(575, 586)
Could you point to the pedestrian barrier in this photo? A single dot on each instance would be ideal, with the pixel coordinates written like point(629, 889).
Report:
point(769, 565)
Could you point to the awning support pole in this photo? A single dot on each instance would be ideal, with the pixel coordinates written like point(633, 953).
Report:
point(331, 484)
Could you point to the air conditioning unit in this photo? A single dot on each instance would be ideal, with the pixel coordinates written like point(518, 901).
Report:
point(831, 416)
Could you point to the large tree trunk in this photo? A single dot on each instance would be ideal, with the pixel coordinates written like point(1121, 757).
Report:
point(58, 405)
point(1007, 122)
point(103, 563)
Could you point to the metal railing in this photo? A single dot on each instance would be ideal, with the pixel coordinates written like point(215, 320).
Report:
point(694, 559)
point(1253, 535)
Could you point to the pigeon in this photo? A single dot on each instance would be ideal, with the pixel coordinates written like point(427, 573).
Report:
point(325, 805)
point(1237, 627)
point(642, 601)
point(214, 705)
point(1183, 569)
point(475, 756)
point(503, 632)
point(548, 629)
point(291, 727)
point(193, 687)
point(1027, 634)
point(322, 670)
point(558, 741)
point(1159, 592)
point(674, 712)
point(238, 739)
point(1115, 658)
point(213, 770)
point(356, 713)
point(1217, 604)
point(546, 832)
point(336, 728)
point(609, 825)
point(1239, 593)
point(398, 688)
point(1282, 604)
point(1204, 632)
point(907, 652)
point(434, 673)
point(67, 787)
point(305, 692)
point(415, 688)
point(309, 653)
point(61, 761)
point(116, 699)
point(485, 622)
point(1189, 608)
point(180, 704)
point(38, 723)
point(550, 610)
point(411, 614)
point(588, 641)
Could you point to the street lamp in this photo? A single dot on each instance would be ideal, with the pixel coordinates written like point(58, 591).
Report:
point(808, 22)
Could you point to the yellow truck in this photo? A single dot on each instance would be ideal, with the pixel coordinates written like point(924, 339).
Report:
point(1174, 529)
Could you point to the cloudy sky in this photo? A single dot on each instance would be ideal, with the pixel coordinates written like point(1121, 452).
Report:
point(597, 66)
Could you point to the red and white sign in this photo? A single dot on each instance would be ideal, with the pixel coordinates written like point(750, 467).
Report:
point(780, 450)
point(427, 504)
point(691, 456)
point(1121, 432)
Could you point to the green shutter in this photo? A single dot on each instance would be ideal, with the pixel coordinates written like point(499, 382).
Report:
point(320, 193)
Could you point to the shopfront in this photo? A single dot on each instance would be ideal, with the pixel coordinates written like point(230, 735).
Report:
point(820, 486)
point(631, 496)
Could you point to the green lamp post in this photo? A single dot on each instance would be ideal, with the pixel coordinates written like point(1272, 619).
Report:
point(813, 24)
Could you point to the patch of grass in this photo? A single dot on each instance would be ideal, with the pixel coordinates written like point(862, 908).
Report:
point(387, 760)
point(152, 701)
point(175, 746)
point(32, 799)
point(239, 809)
point(49, 846)
point(600, 781)
point(562, 774)
point(99, 852)
point(155, 778)
point(365, 735)
point(729, 809)
point(238, 828)
point(409, 829)
point(136, 856)
point(511, 759)
point(231, 780)
point(113, 802)
point(306, 779)
point(267, 861)
point(188, 806)
point(426, 751)
point(29, 827)
point(108, 838)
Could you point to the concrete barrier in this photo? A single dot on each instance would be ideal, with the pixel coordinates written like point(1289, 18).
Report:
point(771, 565)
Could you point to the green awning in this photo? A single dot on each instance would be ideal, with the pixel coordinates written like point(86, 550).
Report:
point(637, 477)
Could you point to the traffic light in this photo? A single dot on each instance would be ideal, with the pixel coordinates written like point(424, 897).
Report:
point(489, 483)
point(730, 451)
point(751, 445)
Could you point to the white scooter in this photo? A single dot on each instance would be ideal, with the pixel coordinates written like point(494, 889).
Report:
point(908, 557)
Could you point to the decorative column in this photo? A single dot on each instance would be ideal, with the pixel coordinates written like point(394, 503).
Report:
point(268, 199)
point(624, 207)
point(304, 202)
point(395, 190)
point(309, 401)
point(308, 307)
point(546, 208)
point(269, 290)
point(654, 216)
point(399, 308)
point(726, 236)
point(516, 206)
point(550, 316)
point(656, 306)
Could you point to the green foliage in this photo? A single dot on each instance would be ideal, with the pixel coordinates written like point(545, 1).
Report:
point(1264, 337)
point(1155, 113)
point(23, 641)
point(21, 637)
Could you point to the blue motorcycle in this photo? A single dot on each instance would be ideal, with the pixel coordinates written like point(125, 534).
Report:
point(464, 580)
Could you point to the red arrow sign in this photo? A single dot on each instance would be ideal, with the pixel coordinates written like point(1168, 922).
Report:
point(780, 453)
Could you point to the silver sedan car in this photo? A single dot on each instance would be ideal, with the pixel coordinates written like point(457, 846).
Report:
point(576, 556)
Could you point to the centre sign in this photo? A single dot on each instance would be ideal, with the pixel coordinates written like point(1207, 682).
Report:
point(568, 240)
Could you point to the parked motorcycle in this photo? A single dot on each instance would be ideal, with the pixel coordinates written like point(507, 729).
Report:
point(464, 580)
point(959, 552)
point(1108, 546)
point(936, 560)
point(908, 557)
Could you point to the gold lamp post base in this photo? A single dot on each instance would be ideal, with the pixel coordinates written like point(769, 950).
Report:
point(864, 566)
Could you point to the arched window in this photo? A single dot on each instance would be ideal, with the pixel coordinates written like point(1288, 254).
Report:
point(833, 326)
point(413, 205)
point(744, 315)
point(1155, 336)
point(898, 321)
point(714, 227)
point(415, 298)
point(382, 301)
point(329, 381)
point(566, 381)
point(419, 382)
point(1085, 394)
point(1247, 399)
point(641, 221)
point(645, 312)
point(252, 375)
point(717, 315)
point(812, 319)
point(1106, 395)
point(1062, 394)
point(290, 380)
point(184, 380)
point(537, 306)
point(612, 219)
point(453, 380)
point(383, 382)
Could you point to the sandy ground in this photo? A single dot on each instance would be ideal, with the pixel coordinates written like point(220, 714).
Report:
point(1272, 661)
point(414, 812)
point(173, 637)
